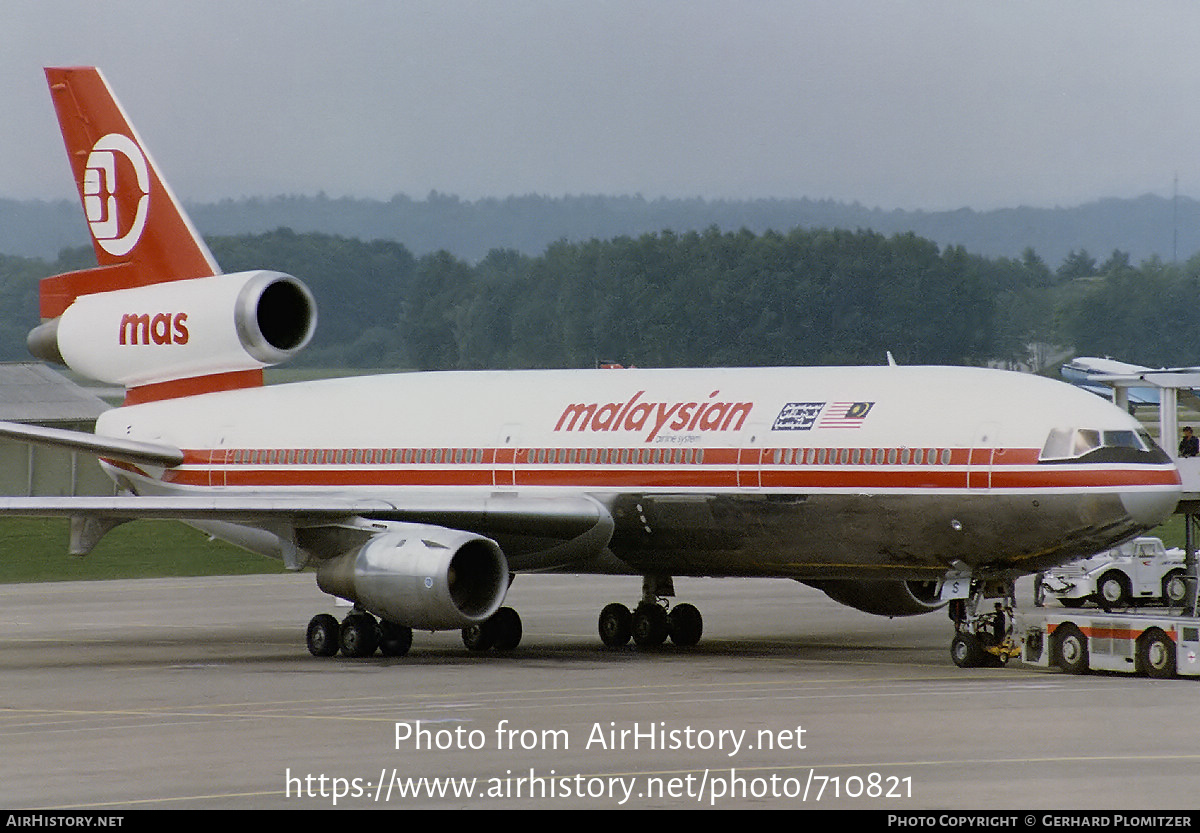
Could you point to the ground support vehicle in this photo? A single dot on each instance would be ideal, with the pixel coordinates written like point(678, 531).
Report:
point(1138, 571)
point(1134, 643)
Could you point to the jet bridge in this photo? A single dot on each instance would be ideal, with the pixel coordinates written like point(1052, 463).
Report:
point(1169, 384)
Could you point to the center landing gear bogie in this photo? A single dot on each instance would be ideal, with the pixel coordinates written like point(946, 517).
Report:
point(650, 624)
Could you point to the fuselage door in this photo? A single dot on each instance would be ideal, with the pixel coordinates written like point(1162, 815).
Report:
point(983, 452)
point(219, 456)
point(750, 456)
point(504, 465)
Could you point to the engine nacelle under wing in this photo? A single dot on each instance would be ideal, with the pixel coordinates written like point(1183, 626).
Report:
point(883, 598)
point(181, 329)
point(425, 577)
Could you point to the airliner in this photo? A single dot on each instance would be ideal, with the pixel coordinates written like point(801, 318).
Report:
point(1102, 376)
point(418, 497)
point(1088, 372)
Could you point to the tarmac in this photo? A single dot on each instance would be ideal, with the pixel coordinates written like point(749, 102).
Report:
point(199, 693)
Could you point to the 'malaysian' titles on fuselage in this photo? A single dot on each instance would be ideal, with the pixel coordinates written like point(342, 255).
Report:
point(635, 415)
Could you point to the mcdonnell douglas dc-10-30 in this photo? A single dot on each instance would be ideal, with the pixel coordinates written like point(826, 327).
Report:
point(418, 497)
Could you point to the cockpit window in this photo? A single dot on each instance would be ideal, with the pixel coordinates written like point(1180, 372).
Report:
point(1139, 440)
point(1058, 444)
point(1073, 443)
point(1085, 441)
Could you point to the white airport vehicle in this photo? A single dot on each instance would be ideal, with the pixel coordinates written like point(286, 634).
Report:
point(1138, 571)
point(1079, 641)
point(416, 497)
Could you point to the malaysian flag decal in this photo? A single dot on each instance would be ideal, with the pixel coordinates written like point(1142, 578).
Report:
point(845, 414)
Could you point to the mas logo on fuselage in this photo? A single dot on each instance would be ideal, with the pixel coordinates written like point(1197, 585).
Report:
point(107, 182)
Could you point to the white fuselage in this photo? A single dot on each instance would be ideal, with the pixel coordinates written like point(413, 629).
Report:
point(806, 472)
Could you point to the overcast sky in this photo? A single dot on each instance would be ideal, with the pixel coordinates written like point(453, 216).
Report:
point(924, 104)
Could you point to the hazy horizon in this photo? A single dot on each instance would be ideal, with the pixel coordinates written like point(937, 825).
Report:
point(926, 105)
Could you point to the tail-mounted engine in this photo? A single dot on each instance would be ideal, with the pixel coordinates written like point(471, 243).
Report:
point(425, 577)
point(181, 329)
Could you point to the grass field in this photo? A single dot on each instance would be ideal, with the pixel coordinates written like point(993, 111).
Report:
point(35, 549)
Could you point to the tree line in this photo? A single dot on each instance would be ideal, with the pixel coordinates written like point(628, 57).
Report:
point(710, 298)
point(1143, 226)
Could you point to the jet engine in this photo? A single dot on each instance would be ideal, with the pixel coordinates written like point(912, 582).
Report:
point(181, 329)
point(425, 577)
point(883, 598)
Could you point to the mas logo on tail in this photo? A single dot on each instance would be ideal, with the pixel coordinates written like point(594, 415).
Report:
point(106, 184)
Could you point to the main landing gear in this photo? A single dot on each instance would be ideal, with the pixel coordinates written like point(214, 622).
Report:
point(360, 634)
point(650, 623)
point(501, 631)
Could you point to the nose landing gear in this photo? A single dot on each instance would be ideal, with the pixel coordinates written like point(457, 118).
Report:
point(983, 637)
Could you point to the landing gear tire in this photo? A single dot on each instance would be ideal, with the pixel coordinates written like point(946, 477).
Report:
point(359, 635)
point(323, 635)
point(1174, 588)
point(1070, 649)
point(616, 625)
point(1156, 655)
point(480, 636)
point(502, 631)
point(394, 640)
point(506, 629)
point(650, 625)
point(685, 625)
point(966, 651)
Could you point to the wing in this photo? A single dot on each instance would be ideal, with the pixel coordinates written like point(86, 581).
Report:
point(563, 520)
point(553, 517)
point(131, 451)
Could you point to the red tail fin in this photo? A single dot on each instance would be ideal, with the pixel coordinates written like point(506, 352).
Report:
point(139, 231)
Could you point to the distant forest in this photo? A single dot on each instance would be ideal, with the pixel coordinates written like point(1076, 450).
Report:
point(1143, 227)
point(702, 298)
